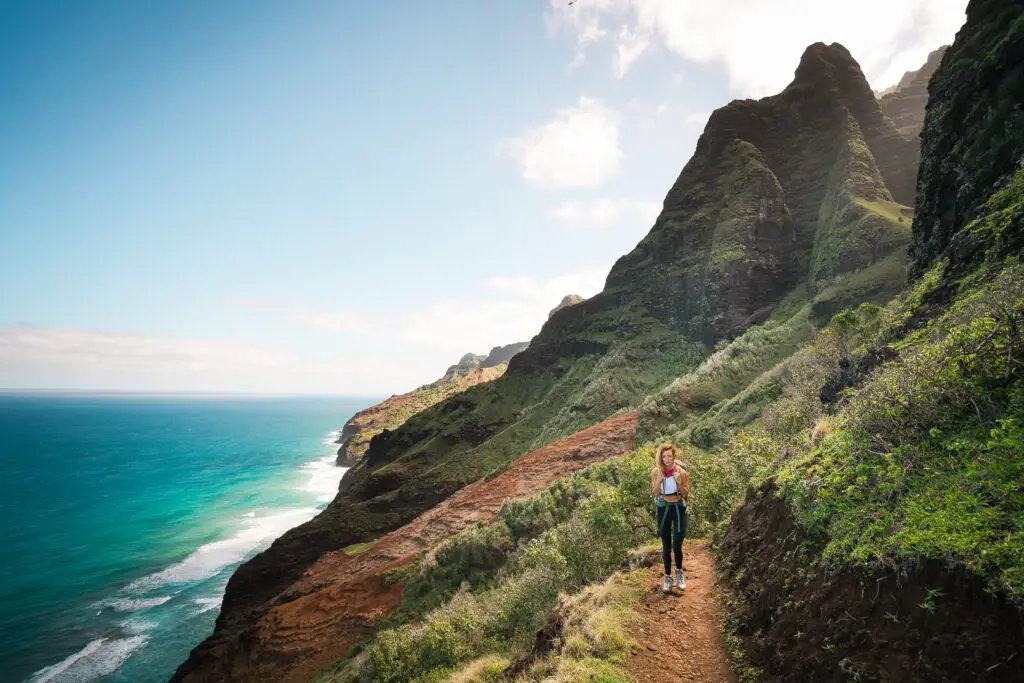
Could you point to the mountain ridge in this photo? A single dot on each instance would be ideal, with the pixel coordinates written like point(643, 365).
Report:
point(788, 198)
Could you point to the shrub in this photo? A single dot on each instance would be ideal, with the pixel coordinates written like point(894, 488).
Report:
point(924, 460)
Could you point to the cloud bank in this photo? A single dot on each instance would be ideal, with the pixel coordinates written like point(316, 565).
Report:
point(759, 43)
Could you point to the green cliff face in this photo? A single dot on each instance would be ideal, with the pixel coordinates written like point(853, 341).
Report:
point(894, 438)
point(792, 197)
point(878, 446)
point(973, 137)
point(782, 194)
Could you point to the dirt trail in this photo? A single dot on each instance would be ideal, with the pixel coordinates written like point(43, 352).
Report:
point(680, 635)
point(341, 597)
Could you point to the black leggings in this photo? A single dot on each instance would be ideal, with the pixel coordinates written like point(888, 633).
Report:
point(668, 516)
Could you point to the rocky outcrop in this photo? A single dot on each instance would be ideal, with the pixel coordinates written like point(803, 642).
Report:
point(567, 300)
point(904, 104)
point(792, 194)
point(502, 354)
point(391, 413)
point(973, 136)
point(341, 597)
point(801, 625)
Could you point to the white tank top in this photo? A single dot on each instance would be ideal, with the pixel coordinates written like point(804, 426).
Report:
point(669, 487)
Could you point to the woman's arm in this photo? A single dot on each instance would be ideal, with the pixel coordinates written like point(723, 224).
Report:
point(656, 477)
point(683, 479)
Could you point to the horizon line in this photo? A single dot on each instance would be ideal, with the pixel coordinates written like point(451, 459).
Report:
point(135, 393)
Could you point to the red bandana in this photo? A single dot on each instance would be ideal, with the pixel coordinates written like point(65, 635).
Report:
point(670, 471)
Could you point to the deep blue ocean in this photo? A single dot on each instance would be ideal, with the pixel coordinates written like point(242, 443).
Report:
point(122, 519)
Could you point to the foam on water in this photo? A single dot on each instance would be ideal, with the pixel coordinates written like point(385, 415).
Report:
point(207, 604)
point(137, 626)
point(324, 477)
point(99, 658)
point(211, 558)
point(133, 604)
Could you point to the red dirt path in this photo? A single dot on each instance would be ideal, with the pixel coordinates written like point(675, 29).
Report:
point(680, 635)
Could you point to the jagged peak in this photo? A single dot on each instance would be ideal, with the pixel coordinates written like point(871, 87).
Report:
point(833, 65)
point(567, 300)
point(822, 68)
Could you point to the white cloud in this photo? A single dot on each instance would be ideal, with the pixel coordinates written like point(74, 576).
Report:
point(514, 310)
point(352, 322)
point(601, 213)
point(578, 148)
point(506, 309)
point(61, 358)
point(398, 352)
point(60, 346)
point(549, 291)
point(631, 44)
point(759, 43)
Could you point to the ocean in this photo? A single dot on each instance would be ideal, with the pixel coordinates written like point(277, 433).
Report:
point(123, 518)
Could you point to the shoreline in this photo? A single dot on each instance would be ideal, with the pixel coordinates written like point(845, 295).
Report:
point(185, 595)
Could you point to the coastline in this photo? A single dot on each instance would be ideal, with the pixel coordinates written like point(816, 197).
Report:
point(163, 591)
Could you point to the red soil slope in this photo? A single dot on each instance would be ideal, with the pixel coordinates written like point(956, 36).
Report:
point(340, 598)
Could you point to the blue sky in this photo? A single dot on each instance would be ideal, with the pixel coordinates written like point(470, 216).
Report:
point(336, 197)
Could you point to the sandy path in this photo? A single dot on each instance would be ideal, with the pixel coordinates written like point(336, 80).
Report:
point(680, 635)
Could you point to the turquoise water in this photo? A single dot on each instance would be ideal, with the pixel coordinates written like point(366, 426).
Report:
point(124, 517)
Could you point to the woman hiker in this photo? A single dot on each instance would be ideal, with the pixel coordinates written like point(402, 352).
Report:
point(671, 484)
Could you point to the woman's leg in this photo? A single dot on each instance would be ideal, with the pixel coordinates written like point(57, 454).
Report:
point(680, 532)
point(665, 520)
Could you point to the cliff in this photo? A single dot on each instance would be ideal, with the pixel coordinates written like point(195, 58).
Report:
point(973, 137)
point(905, 103)
point(392, 412)
point(886, 530)
point(792, 198)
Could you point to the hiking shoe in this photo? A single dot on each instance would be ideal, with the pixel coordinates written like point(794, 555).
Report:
point(680, 580)
point(667, 588)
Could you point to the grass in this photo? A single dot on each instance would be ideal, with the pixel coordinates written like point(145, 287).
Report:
point(485, 591)
point(395, 411)
point(359, 548)
point(859, 223)
point(923, 459)
point(724, 374)
point(479, 596)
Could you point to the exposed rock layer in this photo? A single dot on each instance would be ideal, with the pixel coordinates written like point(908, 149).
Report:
point(905, 104)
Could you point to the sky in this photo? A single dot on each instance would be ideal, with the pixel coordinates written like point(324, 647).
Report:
point(344, 198)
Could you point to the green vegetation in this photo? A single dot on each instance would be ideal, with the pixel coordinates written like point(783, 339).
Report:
point(359, 548)
point(924, 459)
point(486, 590)
point(393, 412)
point(859, 222)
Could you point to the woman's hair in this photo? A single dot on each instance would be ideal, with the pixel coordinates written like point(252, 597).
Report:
point(661, 450)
